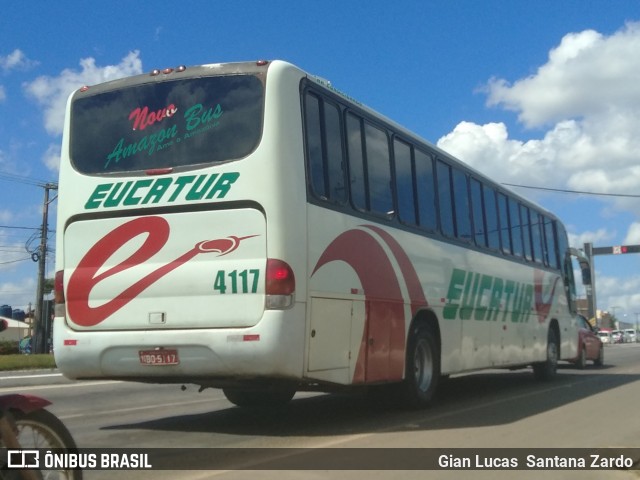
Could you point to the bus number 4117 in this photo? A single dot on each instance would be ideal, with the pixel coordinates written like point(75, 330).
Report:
point(243, 281)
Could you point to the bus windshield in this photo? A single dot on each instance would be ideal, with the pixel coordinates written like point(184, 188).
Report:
point(166, 124)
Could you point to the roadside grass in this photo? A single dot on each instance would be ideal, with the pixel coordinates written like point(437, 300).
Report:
point(26, 362)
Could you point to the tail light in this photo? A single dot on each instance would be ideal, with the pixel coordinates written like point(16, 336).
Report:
point(58, 288)
point(281, 285)
point(58, 285)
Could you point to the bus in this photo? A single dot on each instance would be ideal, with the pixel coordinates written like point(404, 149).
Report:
point(249, 227)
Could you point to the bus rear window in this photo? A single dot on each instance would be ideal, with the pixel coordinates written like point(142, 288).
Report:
point(173, 124)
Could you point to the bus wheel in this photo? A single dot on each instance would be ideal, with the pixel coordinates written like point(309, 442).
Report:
point(547, 370)
point(423, 368)
point(259, 398)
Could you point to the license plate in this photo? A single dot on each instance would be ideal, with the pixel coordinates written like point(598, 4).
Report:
point(159, 357)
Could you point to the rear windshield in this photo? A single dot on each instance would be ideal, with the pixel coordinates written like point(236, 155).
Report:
point(167, 124)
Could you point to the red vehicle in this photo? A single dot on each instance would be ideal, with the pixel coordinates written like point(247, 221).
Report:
point(590, 346)
point(26, 424)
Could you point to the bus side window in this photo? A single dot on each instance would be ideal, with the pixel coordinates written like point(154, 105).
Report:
point(516, 228)
point(405, 182)
point(378, 170)
point(357, 170)
point(426, 191)
point(477, 209)
point(445, 205)
point(325, 156)
point(536, 237)
point(526, 232)
point(335, 154)
point(566, 264)
point(461, 205)
point(313, 136)
point(369, 166)
point(491, 215)
point(505, 228)
point(550, 242)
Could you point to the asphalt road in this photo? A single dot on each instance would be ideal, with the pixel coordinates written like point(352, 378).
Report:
point(587, 409)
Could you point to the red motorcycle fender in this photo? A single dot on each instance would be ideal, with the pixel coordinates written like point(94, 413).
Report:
point(24, 403)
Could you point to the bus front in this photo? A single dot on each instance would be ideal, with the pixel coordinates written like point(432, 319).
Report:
point(169, 188)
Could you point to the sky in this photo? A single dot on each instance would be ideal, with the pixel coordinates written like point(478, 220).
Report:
point(541, 94)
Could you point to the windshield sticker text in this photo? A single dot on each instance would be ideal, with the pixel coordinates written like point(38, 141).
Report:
point(142, 118)
point(198, 119)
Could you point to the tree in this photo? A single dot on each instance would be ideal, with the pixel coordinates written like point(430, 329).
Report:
point(48, 286)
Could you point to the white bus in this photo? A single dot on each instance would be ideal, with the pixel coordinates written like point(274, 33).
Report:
point(249, 227)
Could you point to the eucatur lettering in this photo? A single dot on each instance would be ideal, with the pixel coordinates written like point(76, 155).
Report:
point(473, 295)
point(147, 191)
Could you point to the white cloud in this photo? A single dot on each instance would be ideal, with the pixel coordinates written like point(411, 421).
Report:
point(5, 216)
point(586, 74)
point(601, 237)
point(585, 100)
point(624, 293)
point(51, 157)
point(52, 92)
point(589, 94)
point(633, 234)
point(489, 149)
point(18, 294)
point(16, 60)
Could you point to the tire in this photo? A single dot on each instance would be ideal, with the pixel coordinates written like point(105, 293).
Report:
point(599, 362)
point(422, 373)
point(582, 358)
point(42, 429)
point(268, 398)
point(548, 369)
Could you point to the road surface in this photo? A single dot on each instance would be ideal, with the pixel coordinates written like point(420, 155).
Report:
point(587, 409)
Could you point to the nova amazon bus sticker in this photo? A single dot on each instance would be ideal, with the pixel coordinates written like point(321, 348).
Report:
point(133, 256)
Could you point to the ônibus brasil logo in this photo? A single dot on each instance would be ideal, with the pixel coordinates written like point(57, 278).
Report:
point(85, 277)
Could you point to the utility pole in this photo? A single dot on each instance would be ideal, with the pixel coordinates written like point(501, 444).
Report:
point(591, 289)
point(41, 329)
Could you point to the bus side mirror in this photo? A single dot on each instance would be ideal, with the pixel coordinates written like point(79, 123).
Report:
point(585, 264)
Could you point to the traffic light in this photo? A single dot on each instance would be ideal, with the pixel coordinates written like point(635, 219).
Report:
point(627, 249)
point(617, 250)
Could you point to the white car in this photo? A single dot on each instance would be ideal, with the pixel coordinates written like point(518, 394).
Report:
point(605, 337)
point(631, 335)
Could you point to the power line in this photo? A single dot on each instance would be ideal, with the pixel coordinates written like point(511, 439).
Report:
point(579, 192)
point(15, 261)
point(11, 248)
point(19, 228)
point(12, 177)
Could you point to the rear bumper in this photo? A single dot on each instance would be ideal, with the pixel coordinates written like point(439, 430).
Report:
point(273, 348)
